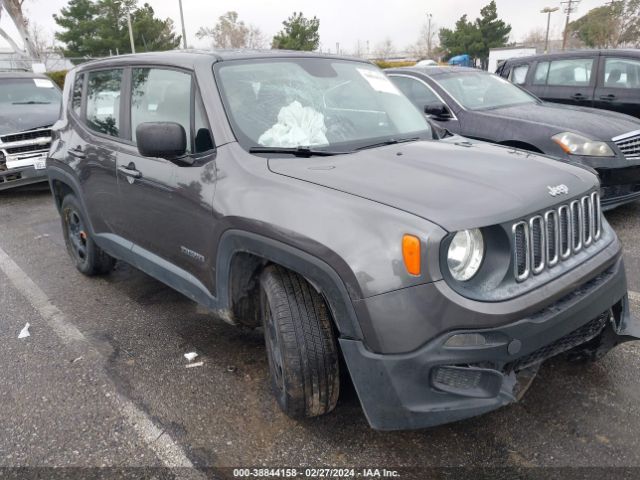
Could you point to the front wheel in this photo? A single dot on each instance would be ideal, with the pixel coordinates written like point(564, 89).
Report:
point(87, 256)
point(301, 347)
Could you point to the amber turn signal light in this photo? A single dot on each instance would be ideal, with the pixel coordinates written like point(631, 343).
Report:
point(411, 254)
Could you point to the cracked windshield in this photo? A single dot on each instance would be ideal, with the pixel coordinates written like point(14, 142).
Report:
point(316, 102)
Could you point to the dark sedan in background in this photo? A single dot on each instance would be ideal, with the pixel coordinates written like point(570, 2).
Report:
point(483, 106)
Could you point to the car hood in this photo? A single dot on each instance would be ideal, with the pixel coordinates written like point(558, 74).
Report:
point(19, 118)
point(597, 124)
point(454, 183)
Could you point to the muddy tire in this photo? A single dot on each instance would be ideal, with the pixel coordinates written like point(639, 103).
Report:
point(301, 346)
point(86, 255)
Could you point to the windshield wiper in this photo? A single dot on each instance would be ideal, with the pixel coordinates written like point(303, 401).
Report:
point(297, 151)
point(31, 102)
point(391, 141)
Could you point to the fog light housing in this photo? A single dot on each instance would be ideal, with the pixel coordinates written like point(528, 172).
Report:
point(462, 340)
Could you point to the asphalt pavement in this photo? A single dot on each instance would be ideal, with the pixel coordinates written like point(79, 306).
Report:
point(102, 382)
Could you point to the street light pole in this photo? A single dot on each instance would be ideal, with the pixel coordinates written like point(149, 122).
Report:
point(184, 32)
point(133, 46)
point(548, 11)
point(429, 36)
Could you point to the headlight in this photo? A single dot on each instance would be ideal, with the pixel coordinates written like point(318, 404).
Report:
point(465, 255)
point(575, 144)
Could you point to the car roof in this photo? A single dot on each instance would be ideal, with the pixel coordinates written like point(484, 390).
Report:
point(571, 53)
point(435, 71)
point(21, 74)
point(191, 57)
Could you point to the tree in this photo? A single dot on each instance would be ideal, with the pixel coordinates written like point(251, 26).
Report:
point(466, 38)
point(385, 49)
point(256, 40)
point(609, 26)
point(227, 33)
point(476, 38)
point(14, 10)
point(425, 46)
point(299, 33)
point(535, 37)
point(95, 28)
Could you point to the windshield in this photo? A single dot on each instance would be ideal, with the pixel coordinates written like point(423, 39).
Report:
point(478, 90)
point(315, 102)
point(28, 91)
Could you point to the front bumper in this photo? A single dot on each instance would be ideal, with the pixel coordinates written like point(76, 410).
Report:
point(17, 177)
point(619, 179)
point(437, 384)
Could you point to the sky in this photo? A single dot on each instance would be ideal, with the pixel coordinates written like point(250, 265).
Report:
point(345, 21)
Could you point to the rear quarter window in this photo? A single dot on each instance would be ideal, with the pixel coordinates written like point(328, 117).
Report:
point(76, 96)
point(518, 74)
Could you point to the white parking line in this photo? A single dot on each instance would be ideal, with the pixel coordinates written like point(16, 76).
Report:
point(167, 451)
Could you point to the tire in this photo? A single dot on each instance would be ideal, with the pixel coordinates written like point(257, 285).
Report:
point(89, 259)
point(301, 347)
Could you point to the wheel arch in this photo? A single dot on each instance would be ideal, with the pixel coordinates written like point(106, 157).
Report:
point(242, 256)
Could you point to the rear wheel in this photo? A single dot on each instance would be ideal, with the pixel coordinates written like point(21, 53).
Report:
point(87, 256)
point(301, 346)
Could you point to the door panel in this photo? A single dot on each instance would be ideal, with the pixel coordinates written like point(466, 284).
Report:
point(167, 205)
point(146, 184)
point(568, 80)
point(95, 147)
point(618, 86)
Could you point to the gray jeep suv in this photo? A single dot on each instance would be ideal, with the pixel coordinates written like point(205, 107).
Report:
point(305, 194)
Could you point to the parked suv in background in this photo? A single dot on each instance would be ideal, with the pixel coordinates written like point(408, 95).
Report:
point(607, 79)
point(305, 194)
point(29, 105)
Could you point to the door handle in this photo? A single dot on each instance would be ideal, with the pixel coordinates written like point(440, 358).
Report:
point(578, 96)
point(77, 152)
point(608, 98)
point(130, 170)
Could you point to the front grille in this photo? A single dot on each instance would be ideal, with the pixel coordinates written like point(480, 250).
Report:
point(24, 145)
point(569, 341)
point(542, 241)
point(30, 135)
point(28, 149)
point(629, 145)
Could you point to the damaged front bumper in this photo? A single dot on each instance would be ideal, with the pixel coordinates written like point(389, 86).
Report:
point(16, 177)
point(464, 373)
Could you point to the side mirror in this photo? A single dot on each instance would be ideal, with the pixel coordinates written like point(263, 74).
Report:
point(438, 110)
point(161, 139)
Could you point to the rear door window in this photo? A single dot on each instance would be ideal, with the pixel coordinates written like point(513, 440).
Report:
point(621, 73)
point(103, 101)
point(540, 75)
point(570, 72)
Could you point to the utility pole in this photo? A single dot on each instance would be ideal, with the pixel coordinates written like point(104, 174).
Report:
point(429, 16)
point(184, 32)
point(133, 46)
point(548, 11)
point(570, 7)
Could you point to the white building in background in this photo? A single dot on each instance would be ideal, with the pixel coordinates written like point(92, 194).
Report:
point(499, 55)
point(52, 61)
